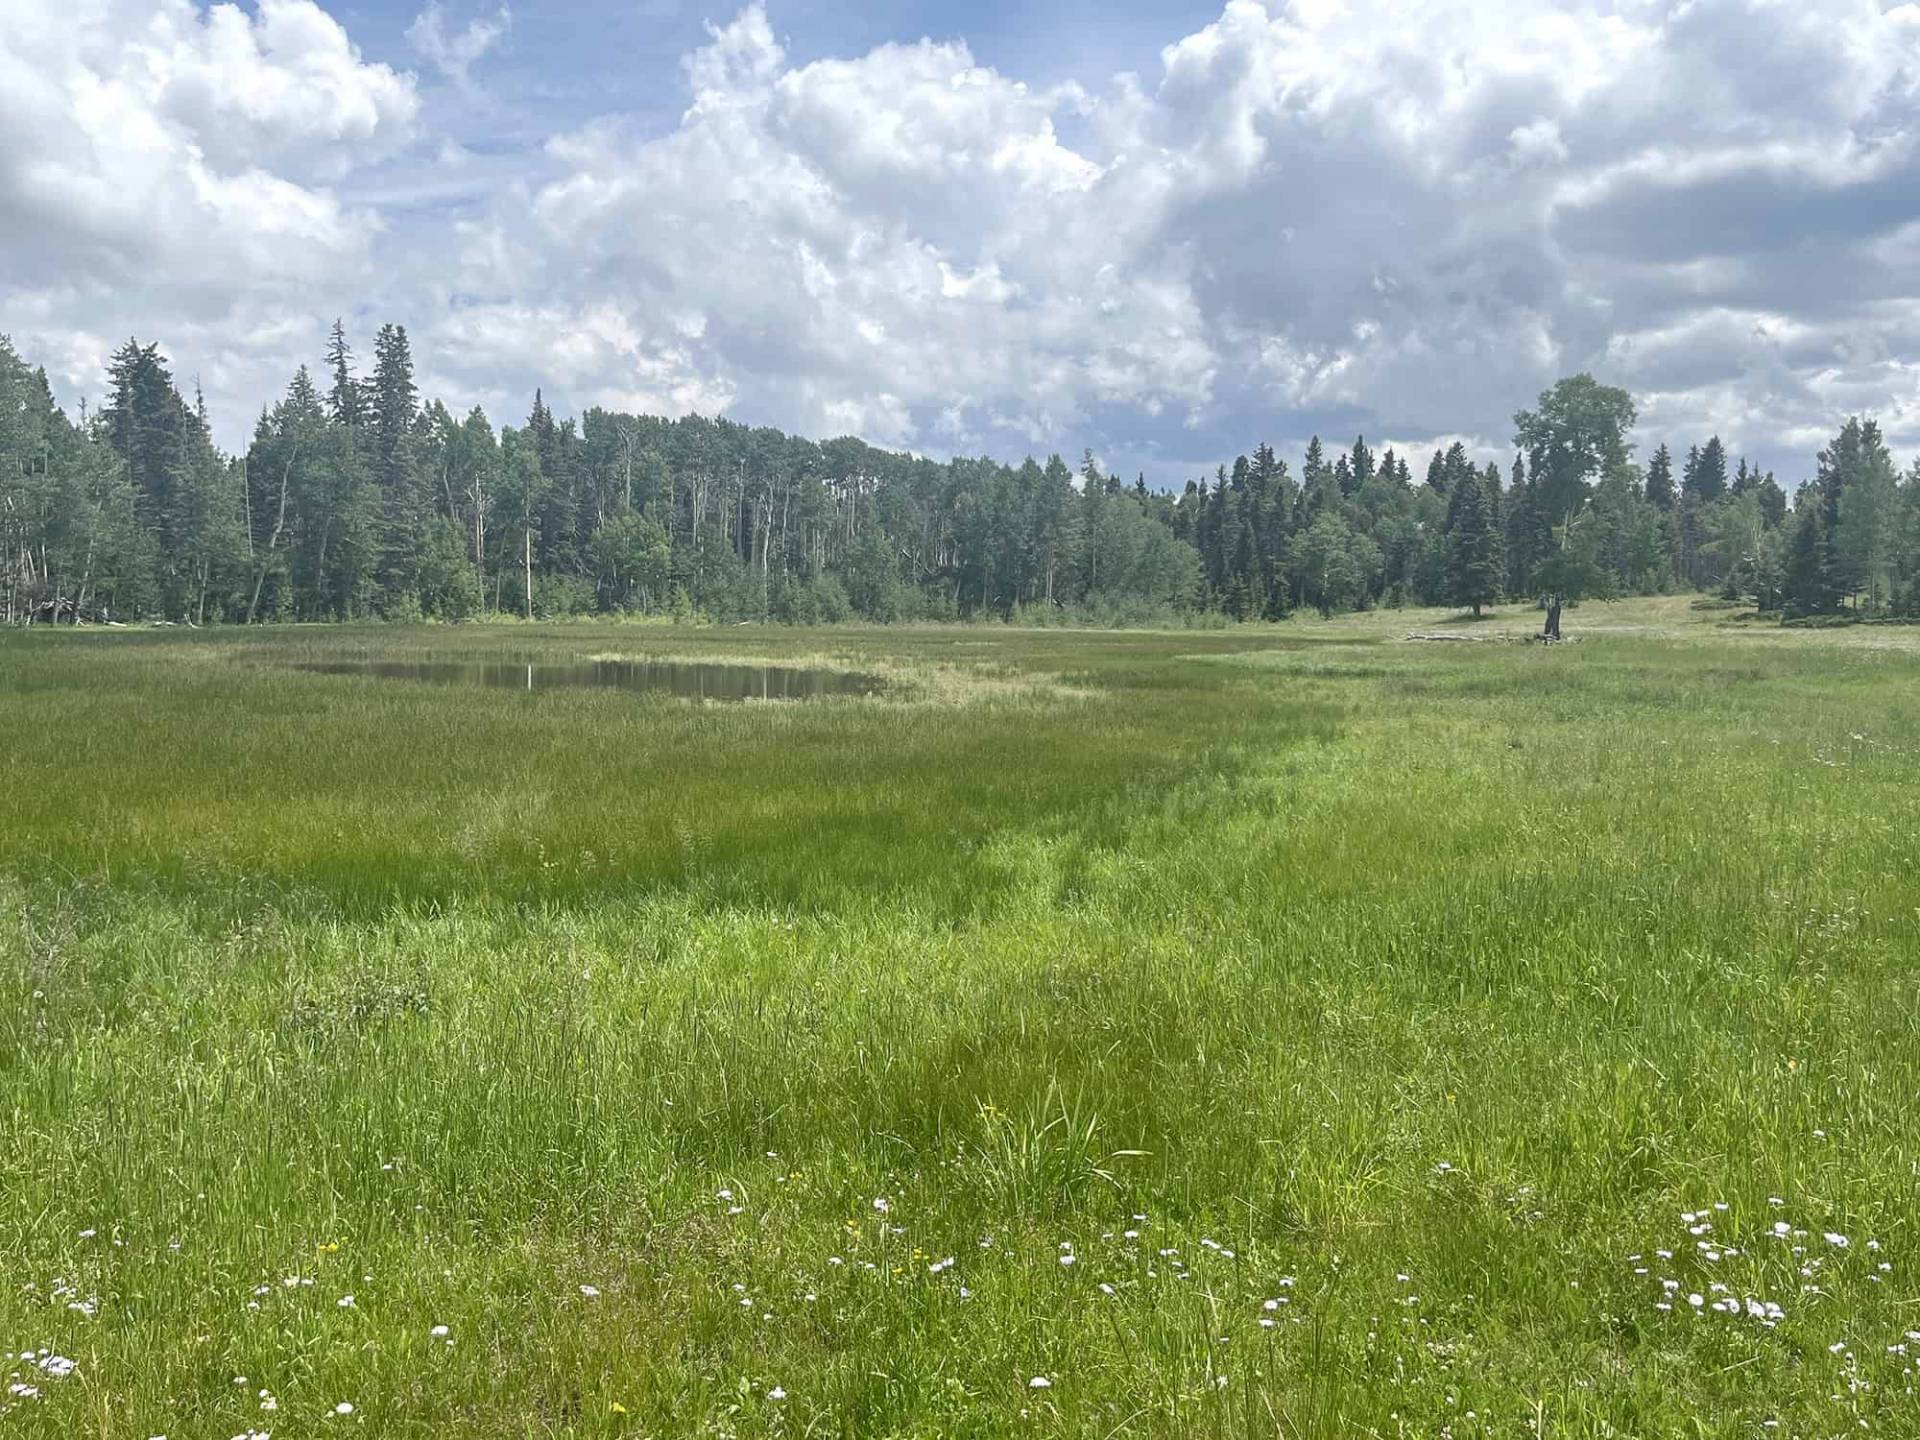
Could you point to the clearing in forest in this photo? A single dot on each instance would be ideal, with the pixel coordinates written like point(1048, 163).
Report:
point(1289, 1031)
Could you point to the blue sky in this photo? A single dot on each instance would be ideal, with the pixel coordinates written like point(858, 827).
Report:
point(1165, 232)
point(569, 62)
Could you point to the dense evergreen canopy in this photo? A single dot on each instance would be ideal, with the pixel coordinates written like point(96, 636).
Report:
point(361, 501)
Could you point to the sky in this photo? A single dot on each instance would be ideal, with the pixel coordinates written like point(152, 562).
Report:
point(1165, 232)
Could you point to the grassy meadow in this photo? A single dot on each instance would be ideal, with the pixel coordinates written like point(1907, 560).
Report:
point(1288, 1031)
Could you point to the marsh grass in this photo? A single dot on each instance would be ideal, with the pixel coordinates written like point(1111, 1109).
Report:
point(1402, 997)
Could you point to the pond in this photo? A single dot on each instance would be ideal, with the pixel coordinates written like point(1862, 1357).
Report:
point(690, 680)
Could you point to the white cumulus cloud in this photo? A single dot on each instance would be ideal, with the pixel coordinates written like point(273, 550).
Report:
point(161, 159)
point(1404, 217)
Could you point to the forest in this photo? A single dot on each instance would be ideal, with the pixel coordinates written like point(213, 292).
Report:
point(357, 500)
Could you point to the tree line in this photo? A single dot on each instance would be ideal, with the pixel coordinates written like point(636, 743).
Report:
point(357, 499)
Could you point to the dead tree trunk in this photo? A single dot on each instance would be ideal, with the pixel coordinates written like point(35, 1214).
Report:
point(273, 542)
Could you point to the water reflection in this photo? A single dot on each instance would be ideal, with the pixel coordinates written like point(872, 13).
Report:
point(687, 679)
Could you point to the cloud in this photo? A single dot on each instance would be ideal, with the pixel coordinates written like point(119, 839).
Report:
point(1536, 143)
point(454, 55)
point(893, 243)
point(1404, 217)
point(158, 157)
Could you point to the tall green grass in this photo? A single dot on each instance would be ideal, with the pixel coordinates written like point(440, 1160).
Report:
point(1291, 1032)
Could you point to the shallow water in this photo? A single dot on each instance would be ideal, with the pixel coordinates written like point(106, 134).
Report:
point(686, 679)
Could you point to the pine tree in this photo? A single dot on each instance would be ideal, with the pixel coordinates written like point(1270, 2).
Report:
point(395, 473)
point(1808, 589)
point(1475, 562)
point(347, 400)
point(1659, 483)
point(1706, 473)
point(559, 528)
point(1223, 538)
point(1529, 537)
point(150, 428)
point(1819, 572)
point(1313, 469)
point(1270, 507)
point(517, 502)
point(1359, 467)
point(1865, 524)
point(1773, 500)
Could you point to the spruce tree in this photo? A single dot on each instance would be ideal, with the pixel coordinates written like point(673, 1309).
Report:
point(347, 400)
point(1475, 563)
point(1808, 587)
point(1359, 466)
point(1865, 525)
point(1313, 468)
point(151, 429)
point(1773, 500)
point(394, 409)
point(1707, 472)
point(1659, 484)
point(1529, 537)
